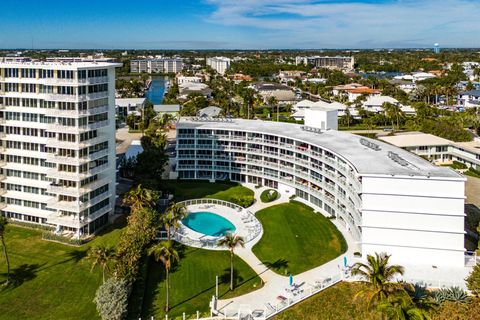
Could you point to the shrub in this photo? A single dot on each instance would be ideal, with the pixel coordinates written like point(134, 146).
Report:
point(245, 201)
point(269, 195)
point(450, 294)
point(111, 299)
point(30, 225)
point(50, 236)
point(458, 165)
point(473, 280)
point(473, 173)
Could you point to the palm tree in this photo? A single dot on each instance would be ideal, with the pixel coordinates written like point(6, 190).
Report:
point(3, 226)
point(165, 252)
point(172, 217)
point(139, 198)
point(101, 256)
point(401, 307)
point(393, 112)
point(231, 241)
point(379, 274)
point(272, 101)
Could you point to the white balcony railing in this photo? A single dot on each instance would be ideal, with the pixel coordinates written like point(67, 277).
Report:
point(55, 143)
point(59, 127)
point(55, 158)
point(54, 112)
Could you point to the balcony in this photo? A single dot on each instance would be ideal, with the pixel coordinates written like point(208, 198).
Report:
point(55, 143)
point(74, 97)
point(59, 81)
point(59, 127)
point(94, 80)
point(76, 176)
point(75, 220)
point(61, 97)
point(76, 206)
point(55, 158)
point(75, 113)
point(78, 191)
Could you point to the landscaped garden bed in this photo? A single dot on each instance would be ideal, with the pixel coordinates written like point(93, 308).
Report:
point(269, 195)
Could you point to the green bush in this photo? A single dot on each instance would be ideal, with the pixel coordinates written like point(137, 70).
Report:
point(31, 225)
point(269, 195)
point(59, 238)
point(458, 165)
point(473, 173)
point(111, 299)
point(245, 201)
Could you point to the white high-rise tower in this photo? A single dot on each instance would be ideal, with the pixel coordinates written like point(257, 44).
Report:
point(57, 152)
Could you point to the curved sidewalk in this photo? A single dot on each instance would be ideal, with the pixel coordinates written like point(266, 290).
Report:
point(275, 284)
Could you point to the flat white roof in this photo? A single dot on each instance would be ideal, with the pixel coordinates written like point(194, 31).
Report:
point(415, 139)
point(59, 65)
point(366, 160)
point(125, 102)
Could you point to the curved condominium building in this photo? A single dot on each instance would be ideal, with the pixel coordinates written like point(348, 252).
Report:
point(388, 199)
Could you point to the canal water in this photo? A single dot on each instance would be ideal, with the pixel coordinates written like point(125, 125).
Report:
point(156, 90)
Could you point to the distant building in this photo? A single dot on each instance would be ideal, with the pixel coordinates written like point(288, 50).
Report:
point(172, 109)
point(219, 64)
point(354, 90)
point(239, 77)
point(338, 63)
point(469, 99)
point(436, 149)
point(281, 92)
point(157, 65)
point(186, 88)
point(375, 103)
point(185, 79)
point(126, 106)
point(210, 112)
point(299, 109)
point(291, 75)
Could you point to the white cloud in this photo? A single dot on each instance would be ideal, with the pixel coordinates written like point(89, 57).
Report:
point(322, 24)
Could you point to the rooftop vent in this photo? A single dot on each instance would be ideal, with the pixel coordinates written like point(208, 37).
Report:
point(370, 144)
point(395, 157)
point(311, 129)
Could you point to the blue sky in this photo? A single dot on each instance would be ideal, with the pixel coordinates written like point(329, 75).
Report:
point(239, 24)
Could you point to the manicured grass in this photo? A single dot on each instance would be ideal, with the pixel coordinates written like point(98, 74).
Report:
point(296, 239)
point(184, 190)
point(50, 280)
point(338, 302)
point(192, 282)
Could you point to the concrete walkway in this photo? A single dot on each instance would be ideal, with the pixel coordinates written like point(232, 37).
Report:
point(274, 284)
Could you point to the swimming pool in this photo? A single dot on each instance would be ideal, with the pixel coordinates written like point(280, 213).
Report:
point(208, 223)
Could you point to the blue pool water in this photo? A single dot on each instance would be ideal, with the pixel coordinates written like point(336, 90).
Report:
point(208, 223)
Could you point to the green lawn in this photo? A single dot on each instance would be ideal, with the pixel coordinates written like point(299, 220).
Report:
point(184, 190)
point(296, 239)
point(337, 302)
point(193, 282)
point(51, 280)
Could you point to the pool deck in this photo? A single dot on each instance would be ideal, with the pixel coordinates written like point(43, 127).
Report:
point(242, 221)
